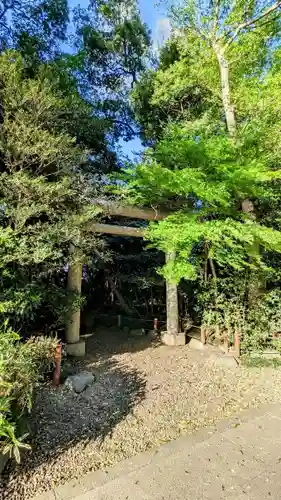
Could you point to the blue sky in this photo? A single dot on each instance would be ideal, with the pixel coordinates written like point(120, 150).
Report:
point(153, 16)
point(157, 22)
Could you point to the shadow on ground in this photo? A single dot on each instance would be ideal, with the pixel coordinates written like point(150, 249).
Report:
point(62, 419)
point(108, 341)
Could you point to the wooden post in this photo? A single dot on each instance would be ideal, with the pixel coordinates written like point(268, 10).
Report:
point(203, 335)
point(237, 344)
point(75, 346)
point(119, 321)
point(57, 369)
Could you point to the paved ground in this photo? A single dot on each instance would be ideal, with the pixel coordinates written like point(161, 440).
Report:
point(240, 459)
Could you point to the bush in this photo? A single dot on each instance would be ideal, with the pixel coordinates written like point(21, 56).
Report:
point(22, 365)
point(226, 310)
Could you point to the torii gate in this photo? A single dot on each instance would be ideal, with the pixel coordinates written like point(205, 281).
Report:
point(75, 345)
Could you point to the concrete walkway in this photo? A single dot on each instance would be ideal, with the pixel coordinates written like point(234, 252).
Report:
point(241, 459)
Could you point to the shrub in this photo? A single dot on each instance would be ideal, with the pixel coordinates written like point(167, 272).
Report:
point(22, 365)
point(226, 310)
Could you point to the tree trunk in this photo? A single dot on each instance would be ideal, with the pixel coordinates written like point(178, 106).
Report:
point(172, 302)
point(225, 91)
point(123, 304)
point(247, 205)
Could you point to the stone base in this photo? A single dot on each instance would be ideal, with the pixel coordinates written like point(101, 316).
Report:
point(78, 349)
point(173, 340)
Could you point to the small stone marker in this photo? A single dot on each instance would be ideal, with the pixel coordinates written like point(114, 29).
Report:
point(80, 381)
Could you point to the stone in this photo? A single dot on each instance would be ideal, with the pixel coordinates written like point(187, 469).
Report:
point(196, 344)
point(78, 349)
point(80, 381)
point(173, 340)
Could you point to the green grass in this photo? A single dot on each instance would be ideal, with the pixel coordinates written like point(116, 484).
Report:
point(260, 361)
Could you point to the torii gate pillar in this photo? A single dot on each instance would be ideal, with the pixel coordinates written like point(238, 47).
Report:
point(172, 337)
point(74, 345)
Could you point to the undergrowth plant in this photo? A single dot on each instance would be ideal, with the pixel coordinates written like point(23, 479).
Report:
point(22, 365)
point(227, 308)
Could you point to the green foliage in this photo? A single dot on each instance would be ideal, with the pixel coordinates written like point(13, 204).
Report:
point(21, 368)
point(61, 117)
point(205, 172)
point(194, 165)
point(260, 362)
point(44, 194)
point(230, 305)
point(113, 44)
point(34, 27)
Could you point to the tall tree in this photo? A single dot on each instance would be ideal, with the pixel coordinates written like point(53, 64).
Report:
point(62, 116)
point(34, 27)
point(223, 24)
point(45, 194)
point(198, 163)
point(114, 45)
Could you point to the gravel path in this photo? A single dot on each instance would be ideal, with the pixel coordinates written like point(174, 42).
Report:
point(144, 395)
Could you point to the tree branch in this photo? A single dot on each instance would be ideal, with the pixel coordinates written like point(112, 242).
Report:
point(125, 124)
point(252, 22)
point(213, 269)
point(216, 19)
point(6, 7)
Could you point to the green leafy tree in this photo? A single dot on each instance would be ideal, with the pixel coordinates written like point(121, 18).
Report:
point(210, 170)
point(214, 139)
point(217, 52)
point(34, 27)
point(45, 194)
point(62, 116)
point(114, 44)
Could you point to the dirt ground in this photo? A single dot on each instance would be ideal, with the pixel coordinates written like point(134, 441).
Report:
point(144, 394)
